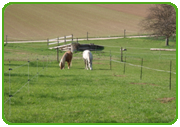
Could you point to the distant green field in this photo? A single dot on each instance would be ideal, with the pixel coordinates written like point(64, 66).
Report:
point(102, 95)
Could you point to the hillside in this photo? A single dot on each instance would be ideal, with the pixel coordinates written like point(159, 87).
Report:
point(42, 21)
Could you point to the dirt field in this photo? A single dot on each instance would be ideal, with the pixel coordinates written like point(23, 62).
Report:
point(42, 21)
point(134, 9)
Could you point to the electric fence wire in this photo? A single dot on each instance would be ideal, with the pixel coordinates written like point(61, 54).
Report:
point(143, 66)
point(24, 84)
point(17, 67)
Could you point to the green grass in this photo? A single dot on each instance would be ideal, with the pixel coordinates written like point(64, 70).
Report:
point(98, 96)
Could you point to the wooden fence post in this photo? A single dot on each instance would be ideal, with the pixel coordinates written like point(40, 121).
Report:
point(58, 55)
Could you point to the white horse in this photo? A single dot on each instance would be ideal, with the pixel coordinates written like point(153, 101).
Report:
point(88, 57)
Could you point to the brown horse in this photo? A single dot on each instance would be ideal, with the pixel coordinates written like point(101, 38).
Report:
point(66, 57)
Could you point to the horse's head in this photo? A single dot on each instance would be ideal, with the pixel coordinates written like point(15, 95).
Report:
point(90, 64)
point(61, 65)
point(90, 60)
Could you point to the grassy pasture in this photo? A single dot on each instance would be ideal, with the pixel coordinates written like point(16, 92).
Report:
point(98, 96)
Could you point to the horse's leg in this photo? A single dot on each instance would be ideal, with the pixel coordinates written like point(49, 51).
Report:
point(85, 63)
point(90, 65)
point(68, 65)
point(71, 63)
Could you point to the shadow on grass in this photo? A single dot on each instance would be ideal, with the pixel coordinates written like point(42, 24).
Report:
point(65, 98)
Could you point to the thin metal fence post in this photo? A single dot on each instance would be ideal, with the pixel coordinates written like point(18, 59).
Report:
point(10, 89)
point(121, 54)
point(125, 65)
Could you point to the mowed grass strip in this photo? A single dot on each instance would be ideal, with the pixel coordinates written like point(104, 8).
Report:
point(82, 96)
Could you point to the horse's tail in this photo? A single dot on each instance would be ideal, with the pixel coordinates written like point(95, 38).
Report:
point(62, 62)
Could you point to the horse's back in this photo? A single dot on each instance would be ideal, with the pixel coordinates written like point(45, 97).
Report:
point(69, 52)
point(87, 54)
point(69, 55)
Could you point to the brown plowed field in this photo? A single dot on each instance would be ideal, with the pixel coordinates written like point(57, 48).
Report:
point(42, 21)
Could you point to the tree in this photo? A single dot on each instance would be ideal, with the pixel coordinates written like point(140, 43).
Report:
point(161, 21)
